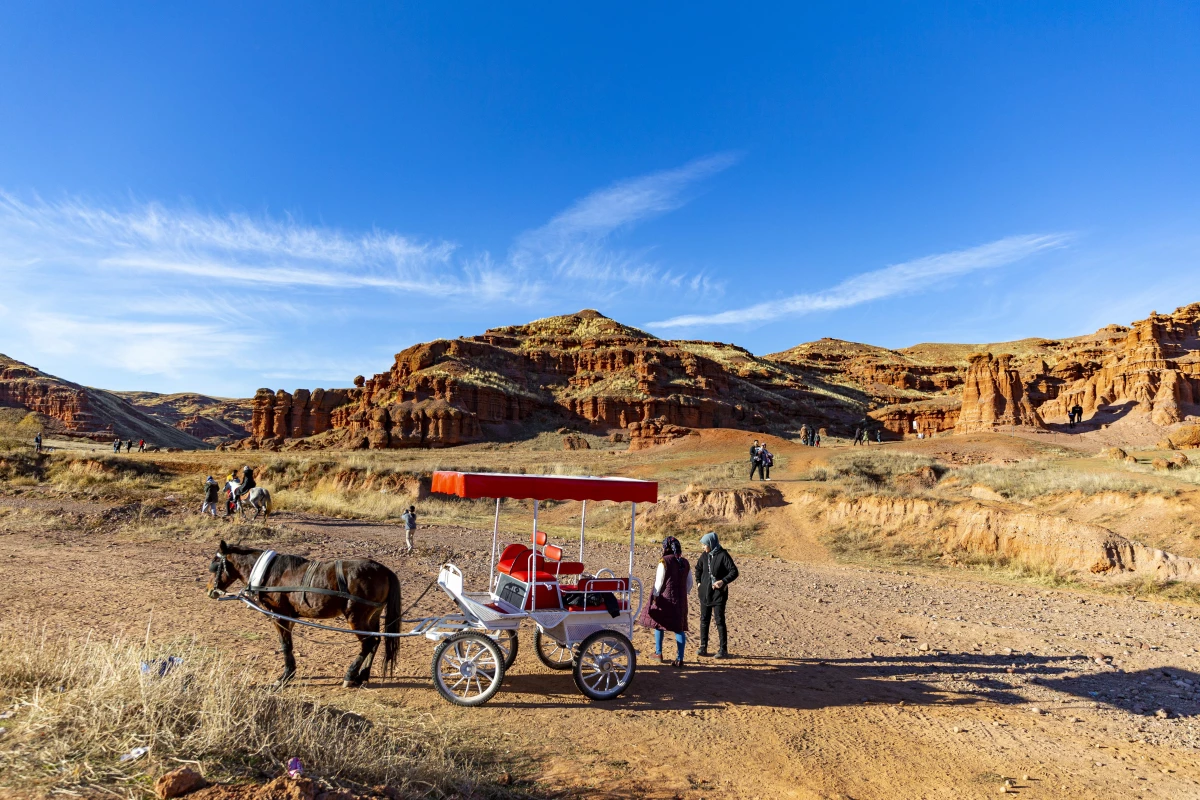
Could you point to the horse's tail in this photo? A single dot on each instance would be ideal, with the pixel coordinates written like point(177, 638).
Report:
point(391, 622)
point(266, 496)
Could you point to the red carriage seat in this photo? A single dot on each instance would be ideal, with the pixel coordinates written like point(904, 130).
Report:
point(516, 561)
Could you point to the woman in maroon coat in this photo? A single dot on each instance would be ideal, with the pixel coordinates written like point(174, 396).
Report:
point(667, 609)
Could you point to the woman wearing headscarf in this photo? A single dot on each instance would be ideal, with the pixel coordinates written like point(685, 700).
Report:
point(715, 570)
point(668, 609)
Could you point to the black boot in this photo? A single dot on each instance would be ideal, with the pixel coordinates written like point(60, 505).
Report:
point(703, 651)
point(722, 642)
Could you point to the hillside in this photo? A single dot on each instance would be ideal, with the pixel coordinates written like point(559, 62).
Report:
point(579, 369)
point(74, 410)
point(213, 419)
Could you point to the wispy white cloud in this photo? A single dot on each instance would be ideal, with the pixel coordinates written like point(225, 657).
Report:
point(898, 279)
point(575, 244)
point(157, 290)
point(144, 348)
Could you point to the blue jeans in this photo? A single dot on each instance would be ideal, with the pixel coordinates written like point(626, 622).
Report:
point(680, 641)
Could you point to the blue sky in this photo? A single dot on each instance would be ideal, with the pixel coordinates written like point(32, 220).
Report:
point(219, 197)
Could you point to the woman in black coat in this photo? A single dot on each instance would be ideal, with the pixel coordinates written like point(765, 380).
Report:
point(715, 570)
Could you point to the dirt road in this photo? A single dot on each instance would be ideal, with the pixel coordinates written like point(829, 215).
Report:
point(847, 682)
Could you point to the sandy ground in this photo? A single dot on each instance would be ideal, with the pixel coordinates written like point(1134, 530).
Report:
point(847, 682)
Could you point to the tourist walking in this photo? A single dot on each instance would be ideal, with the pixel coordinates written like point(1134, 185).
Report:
point(410, 527)
point(117, 446)
point(141, 445)
point(668, 606)
point(766, 461)
point(37, 442)
point(129, 446)
point(817, 439)
point(715, 570)
point(878, 436)
point(857, 436)
point(211, 492)
point(755, 459)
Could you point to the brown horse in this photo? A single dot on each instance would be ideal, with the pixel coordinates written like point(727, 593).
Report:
point(360, 589)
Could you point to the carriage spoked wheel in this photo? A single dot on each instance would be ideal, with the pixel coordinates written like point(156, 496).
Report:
point(605, 665)
point(509, 644)
point(551, 653)
point(468, 668)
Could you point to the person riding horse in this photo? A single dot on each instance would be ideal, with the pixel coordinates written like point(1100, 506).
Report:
point(246, 484)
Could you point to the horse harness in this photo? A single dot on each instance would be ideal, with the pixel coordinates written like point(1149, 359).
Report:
point(258, 573)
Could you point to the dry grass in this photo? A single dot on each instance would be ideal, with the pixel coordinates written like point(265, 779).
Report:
point(1033, 479)
point(79, 704)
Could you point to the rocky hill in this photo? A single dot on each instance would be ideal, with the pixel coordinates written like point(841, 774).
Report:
point(74, 410)
point(214, 419)
point(579, 369)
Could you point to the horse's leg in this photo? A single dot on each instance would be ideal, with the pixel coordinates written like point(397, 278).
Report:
point(360, 669)
point(372, 624)
point(284, 629)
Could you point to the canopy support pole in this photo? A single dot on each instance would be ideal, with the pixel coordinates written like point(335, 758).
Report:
point(495, 535)
point(582, 525)
point(632, 523)
point(533, 560)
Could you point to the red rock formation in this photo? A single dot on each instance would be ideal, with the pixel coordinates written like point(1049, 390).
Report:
point(1154, 370)
point(931, 416)
point(280, 415)
point(994, 395)
point(654, 432)
point(82, 411)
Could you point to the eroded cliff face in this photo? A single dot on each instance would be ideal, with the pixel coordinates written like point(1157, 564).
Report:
point(994, 395)
point(1153, 370)
point(22, 386)
point(584, 367)
point(76, 410)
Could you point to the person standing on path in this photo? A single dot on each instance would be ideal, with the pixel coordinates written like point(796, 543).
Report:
point(715, 570)
point(410, 527)
point(766, 461)
point(878, 436)
point(668, 606)
point(817, 439)
point(117, 447)
point(141, 445)
point(211, 491)
point(37, 443)
point(129, 446)
point(755, 459)
point(857, 436)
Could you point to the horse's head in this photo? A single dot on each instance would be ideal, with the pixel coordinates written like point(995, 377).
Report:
point(224, 571)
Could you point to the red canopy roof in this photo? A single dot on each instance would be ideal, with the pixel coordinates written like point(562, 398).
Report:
point(544, 487)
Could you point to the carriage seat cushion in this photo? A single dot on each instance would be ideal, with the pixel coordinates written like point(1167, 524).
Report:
point(515, 561)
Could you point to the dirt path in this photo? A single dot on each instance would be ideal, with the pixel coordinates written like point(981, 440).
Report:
point(848, 682)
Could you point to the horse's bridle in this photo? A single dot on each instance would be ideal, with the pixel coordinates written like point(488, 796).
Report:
point(219, 571)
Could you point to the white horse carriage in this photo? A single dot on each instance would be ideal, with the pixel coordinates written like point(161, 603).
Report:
point(583, 621)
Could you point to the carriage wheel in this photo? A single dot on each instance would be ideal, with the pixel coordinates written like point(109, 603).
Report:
point(605, 666)
point(468, 669)
point(508, 643)
point(551, 653)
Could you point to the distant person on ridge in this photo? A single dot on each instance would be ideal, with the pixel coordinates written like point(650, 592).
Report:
point(211, 491)
point(37, 442)
point(410, 527)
